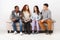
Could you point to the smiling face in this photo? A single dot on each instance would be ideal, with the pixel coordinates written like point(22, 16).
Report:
point(35, 9)
point(27, 7)
point(45, 7)
point(17, 9)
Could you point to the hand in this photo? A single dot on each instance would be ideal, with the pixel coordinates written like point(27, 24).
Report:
point(20, 15)
point(25, 21)
point(42, 20)
point(13, 19)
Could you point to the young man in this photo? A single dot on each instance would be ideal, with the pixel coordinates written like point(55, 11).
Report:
point(16, 16)
point(46, 18)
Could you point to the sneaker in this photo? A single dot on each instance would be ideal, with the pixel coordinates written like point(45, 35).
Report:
point(49, 32)
point(15, 32)
point(37, 32)
point(21, 33)
point(25, 32)
point(32, 32)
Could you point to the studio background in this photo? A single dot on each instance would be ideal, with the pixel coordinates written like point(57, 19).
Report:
point(6, 6)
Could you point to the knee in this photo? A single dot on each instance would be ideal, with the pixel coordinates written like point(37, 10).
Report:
point(40, 21)
point(49, 20)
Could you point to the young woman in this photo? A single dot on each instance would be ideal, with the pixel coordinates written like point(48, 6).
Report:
point(26, 18)
point(35, 18)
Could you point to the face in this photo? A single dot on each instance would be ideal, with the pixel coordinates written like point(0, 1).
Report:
point(35, 9)
point(45, 8)
point(27, 7)
point(17, 9)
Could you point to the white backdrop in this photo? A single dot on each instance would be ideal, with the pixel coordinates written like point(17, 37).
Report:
point(6, 6)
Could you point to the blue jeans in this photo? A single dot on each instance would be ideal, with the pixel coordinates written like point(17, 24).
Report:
point(14, 25)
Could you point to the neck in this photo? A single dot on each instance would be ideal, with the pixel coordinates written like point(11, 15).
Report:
point(46, 9)
point(36, 12)
point(16, 11)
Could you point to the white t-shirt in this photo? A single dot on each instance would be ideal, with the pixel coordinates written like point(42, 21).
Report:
point(16, 14)
point(34, 16)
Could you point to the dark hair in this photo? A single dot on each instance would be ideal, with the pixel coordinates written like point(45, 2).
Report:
point(46, 4)
point(37, 10)
point(24, 8)
point(16, 7)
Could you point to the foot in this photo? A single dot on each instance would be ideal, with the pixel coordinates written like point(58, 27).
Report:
point(49, 32)
point(25, 32)
point(32, 32)
point(15, 32)
point(8, 31)
point(37, 32)
point(21, 33)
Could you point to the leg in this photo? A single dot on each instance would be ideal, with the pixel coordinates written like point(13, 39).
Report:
point(33, 25)
point(20, 26)
point(14, 26)
point(25, 27)
point(37, 25)
point(42, 26)
point(49, 23)
point(28, 27)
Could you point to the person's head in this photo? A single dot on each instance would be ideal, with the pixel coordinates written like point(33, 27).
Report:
point(26, 8)
point(16, 8)
point(36, 9)
point(45, 6)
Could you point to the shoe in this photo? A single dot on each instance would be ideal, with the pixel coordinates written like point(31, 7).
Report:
point(21, 33)
point(32, 32)
point(37, 32)
point(15, 32)
point(8, 31)
point(25, 32)
point(49, 32)
point(29, 33)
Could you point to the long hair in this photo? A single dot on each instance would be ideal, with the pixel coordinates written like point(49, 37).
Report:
point(37, 9)
point(24, 8)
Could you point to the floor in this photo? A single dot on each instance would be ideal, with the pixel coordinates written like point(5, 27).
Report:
point(42, 36)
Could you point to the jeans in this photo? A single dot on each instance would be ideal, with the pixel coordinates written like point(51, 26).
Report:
point(14, 25)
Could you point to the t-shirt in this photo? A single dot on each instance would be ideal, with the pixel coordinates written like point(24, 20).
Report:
point(46, 14)
point(35, 16)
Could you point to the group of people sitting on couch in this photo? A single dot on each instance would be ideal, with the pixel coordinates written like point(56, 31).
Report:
point(32, 20)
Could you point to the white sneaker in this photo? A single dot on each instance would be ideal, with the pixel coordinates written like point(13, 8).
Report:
point(15, 32)
point(21, 33)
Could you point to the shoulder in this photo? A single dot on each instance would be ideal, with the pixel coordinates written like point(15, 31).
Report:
point(13, 10)
point(42, 10)
point(49, 11)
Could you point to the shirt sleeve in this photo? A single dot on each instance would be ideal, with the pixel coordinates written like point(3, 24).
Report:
point(48, 16)
point(12, 15)
point(39, 16)
point(32, 16)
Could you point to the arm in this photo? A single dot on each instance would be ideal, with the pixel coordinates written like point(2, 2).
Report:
point(40, 16)
point(48, 16)
point(12, 16)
